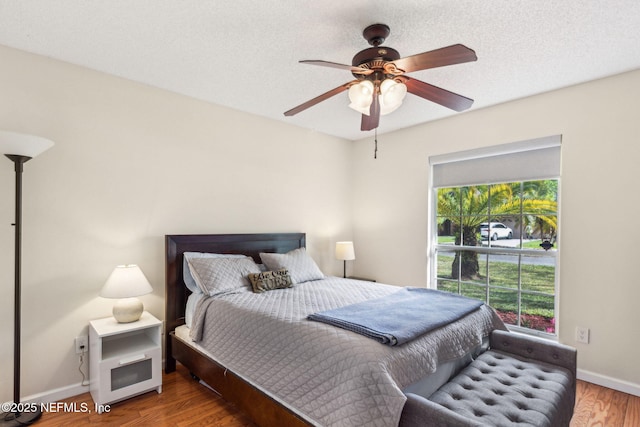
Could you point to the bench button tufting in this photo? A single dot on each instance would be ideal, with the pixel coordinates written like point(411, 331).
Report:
point(485, 388)
point(514, 418)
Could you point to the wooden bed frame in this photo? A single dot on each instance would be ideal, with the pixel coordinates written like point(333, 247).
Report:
point(259, 406)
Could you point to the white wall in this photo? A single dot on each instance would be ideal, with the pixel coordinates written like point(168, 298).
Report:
point(600, 237)
point(133, 163)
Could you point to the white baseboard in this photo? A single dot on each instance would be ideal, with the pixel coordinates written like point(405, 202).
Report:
point(57, 394)
point(609, 382)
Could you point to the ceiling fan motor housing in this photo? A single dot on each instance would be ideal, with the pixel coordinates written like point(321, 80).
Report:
point(374, 58)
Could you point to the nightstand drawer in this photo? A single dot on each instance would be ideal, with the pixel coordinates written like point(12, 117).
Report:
point(129, 373)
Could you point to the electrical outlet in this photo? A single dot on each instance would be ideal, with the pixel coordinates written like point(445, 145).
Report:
point(82, 344)
point(582, 335)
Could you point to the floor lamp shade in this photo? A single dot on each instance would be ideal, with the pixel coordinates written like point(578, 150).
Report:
point(125, 283)
point(18, 144)
point(19, 148)
point(345, 252)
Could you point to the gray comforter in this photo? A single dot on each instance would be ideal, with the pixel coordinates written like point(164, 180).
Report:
point(331, 376)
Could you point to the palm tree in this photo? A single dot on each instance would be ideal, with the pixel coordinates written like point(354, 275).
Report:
point(468, 207)
point(544, 225)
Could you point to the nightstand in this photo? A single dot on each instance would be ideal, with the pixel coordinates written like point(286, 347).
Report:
point(125, 359)
point(361, 278)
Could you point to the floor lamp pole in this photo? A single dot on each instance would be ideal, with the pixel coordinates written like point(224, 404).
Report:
point(16, 417)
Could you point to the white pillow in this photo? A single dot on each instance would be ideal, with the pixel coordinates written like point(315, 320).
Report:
point(301, 266)
point(186, 272)
point(216, 276)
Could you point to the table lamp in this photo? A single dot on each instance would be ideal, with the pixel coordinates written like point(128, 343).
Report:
point(345, 252)
point(125, 283)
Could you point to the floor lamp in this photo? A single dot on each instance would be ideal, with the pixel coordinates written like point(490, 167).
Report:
point(19, 148)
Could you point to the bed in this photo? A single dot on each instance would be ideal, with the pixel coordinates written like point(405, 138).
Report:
point(260, 351)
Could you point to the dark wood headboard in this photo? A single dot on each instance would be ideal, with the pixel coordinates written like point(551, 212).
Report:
point(176, 292)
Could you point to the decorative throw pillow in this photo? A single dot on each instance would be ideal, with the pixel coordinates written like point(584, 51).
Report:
point(220, 275)
point(301, 266)
point(186, 271)
point(270, 280)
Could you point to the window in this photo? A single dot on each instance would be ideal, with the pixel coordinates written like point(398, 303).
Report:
point(487, 230)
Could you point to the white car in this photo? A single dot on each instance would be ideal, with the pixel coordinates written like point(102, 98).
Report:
point(496, 230)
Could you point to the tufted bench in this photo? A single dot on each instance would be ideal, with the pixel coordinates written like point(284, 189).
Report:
point(519, 381)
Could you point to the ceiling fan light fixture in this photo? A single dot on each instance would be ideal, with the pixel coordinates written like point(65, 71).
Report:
point(392, 94)
point(361, 96)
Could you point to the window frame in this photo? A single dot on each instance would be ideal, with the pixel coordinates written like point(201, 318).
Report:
point(432, 231)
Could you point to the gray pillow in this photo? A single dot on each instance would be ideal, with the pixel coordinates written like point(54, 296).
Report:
point(186, 271)
point(301, 266)
point(216, 276)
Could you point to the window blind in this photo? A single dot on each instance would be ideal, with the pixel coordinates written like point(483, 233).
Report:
point(518, 161)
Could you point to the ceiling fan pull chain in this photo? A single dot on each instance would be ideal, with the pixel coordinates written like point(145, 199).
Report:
point(375, 151)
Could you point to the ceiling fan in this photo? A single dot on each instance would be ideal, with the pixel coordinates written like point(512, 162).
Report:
point(381, 84)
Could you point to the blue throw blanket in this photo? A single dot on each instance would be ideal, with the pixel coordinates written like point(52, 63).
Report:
point(401, 316)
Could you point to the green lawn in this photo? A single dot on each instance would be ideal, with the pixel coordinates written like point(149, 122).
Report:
point(532, 244)
point(503, 286)
point(446, 239)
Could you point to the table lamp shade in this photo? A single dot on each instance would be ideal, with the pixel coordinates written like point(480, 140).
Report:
point(126, 282)
point(19, 144)
point(345, 251)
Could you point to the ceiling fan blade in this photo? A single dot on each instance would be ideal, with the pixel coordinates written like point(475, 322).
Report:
point(371, 121)
point(455, 54)
point(319, 98)
point(353, 69)
point(438, 95)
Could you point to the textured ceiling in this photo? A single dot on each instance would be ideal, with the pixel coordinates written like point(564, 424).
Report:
point(244, 54)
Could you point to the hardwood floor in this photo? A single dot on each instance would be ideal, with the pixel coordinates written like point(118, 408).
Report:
point(183, 397)
point(600, 406)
